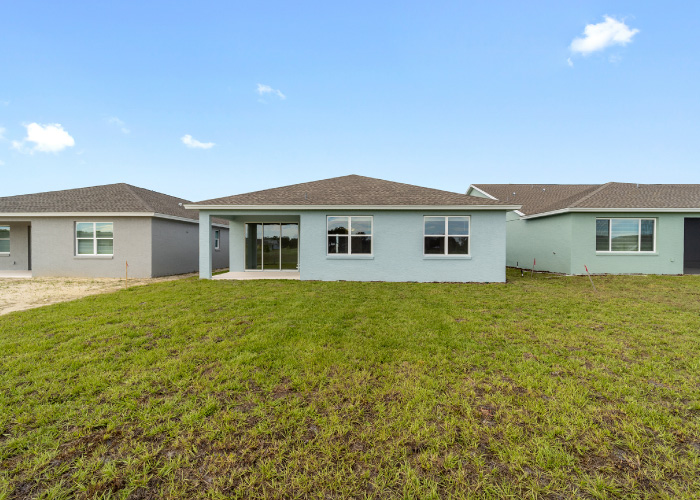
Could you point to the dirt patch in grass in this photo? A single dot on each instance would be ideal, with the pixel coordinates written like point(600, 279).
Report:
point(17, 294)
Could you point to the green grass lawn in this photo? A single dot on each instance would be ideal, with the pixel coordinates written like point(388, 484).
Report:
point(539, 388)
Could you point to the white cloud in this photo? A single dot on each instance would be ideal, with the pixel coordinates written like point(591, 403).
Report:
point(190, 142)
point(2, 133)
point(602, 35)
point(50, 138)
point(570, 62)
point(266, 89)
point(1, 163)
point(113, 120)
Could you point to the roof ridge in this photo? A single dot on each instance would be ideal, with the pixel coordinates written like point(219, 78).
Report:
point(595, 191)
point(131, 190)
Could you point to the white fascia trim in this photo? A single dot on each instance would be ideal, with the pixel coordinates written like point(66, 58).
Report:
point(614, 210)
point(102, 214)
point(472, 186)
point(353, 207)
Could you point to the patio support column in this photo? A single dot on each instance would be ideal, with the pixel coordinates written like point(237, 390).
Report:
point(204, 246)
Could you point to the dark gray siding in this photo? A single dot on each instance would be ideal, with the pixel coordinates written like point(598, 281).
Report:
point(19, 254)
point(176, 247)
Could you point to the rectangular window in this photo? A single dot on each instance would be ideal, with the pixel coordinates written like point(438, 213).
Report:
point(4, 239)
point(217, 235)
point(446, 235)
point(94, 238)
point(625, 235)
point(349, 235)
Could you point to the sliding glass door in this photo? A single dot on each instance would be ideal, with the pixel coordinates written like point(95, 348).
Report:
point(272, 246)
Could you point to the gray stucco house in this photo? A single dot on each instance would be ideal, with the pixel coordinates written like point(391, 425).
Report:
point(360, 228)
point(95, 231)
point(613, 228)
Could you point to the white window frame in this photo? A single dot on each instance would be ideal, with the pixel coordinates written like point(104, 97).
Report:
point(639, 236)
point(447, 235)
point(94, 239)
point(9, 230)
point(350, 235)
point(217, 238)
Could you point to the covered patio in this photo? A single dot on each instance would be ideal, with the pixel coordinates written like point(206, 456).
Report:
point(261, 245)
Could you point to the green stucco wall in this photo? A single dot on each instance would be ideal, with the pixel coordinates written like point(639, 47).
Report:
point(566, 243)
point(548, 240)
point(668, 258)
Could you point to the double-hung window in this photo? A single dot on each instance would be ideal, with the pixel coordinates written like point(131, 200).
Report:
point(94, 238)
point(351, 235)
point(446, 235)
point(217, 238)
point(4, 239)
point(625, 235)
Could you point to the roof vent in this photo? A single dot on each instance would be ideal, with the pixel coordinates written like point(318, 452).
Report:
point(179, 204)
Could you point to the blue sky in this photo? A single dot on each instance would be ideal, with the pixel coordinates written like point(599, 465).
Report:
point(439, 94)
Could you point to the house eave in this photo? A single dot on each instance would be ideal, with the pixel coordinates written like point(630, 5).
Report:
point(240, 208)
point(28, 215)
point(614, 210)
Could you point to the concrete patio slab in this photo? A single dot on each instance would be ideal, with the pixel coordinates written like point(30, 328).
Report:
point(15, 274)
point(258, 275)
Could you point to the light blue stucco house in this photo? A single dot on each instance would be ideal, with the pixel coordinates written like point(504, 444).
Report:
point(362, 229)
point(613, 228)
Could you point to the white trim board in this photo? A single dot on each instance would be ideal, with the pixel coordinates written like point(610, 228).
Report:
point(472, 186)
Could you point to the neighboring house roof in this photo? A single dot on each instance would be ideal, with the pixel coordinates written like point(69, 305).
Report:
point(541, 199)
point(350, 190)
point(110, 198)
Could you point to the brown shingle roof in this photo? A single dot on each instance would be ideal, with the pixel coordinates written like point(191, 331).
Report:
point(352, 190)
point(542, 198)
point(627, 195)
point(110, 198)
point(537, 198)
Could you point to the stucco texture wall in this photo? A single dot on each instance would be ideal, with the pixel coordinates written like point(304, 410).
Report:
point(53, 248)
point(18, 258)
point(566, 244)
point(667, 259)
point(397, 248)
point(547, 240)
